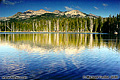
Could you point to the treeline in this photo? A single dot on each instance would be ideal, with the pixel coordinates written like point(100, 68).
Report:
point(63, 24)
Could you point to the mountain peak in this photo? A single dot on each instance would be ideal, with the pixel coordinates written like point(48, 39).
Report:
point(75, 12)
point(17, 14)
point(28, 13)
point(57, 11)
point(92, 15)
point(41, 10)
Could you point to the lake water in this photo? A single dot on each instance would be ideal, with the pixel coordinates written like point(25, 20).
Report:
point(59, 56)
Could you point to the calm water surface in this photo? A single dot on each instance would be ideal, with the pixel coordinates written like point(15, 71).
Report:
point(59, 56)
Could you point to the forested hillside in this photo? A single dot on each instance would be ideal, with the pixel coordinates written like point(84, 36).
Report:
point(52, 23)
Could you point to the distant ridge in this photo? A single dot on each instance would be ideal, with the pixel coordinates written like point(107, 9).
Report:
point(27, 14)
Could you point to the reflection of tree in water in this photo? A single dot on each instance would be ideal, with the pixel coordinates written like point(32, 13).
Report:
point(70, 60)
point(58, 42)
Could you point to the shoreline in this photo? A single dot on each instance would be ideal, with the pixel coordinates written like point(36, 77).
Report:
point(28, 32)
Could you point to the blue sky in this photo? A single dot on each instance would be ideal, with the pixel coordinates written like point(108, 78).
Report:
point(98, 7)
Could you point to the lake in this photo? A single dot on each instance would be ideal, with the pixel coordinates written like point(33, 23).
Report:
point(60, 56)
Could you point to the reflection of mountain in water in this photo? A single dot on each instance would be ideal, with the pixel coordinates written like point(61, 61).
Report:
point(65, 55)
point(70, 43)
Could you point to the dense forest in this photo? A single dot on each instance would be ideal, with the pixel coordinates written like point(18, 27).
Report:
point(51, 23)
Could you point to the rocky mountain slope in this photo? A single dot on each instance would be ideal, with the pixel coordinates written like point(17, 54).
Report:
point(75, 13)
point(29, 13)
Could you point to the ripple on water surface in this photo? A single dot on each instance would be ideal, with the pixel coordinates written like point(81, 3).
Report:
point(59, 56)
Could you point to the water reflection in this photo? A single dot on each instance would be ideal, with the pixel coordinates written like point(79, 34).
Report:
point(44, 42)
point(59, 56)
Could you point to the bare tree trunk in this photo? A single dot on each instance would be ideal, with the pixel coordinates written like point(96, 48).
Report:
point(49, 26)
point(57, 25)
point(81, 27)
point(66, 26)
point(54, 27)
point(91, 25)
point(101, 26)
point(5, 26)
point(13, 26)
point(36, 25)
point(43, 26)
point(39, 25)
point(77, 26)
point(33, 27)
point(86, 25)
point(0, 27)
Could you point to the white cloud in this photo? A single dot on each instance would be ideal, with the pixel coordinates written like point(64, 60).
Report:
point(95, 7)
point(68, 8)
point(78, 7)
point(105, 4)
point(7, 2)
point(47, 8)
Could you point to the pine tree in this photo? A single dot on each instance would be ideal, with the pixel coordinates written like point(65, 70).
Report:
point(100, 21)
point(88, 24)
point(96, 25)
